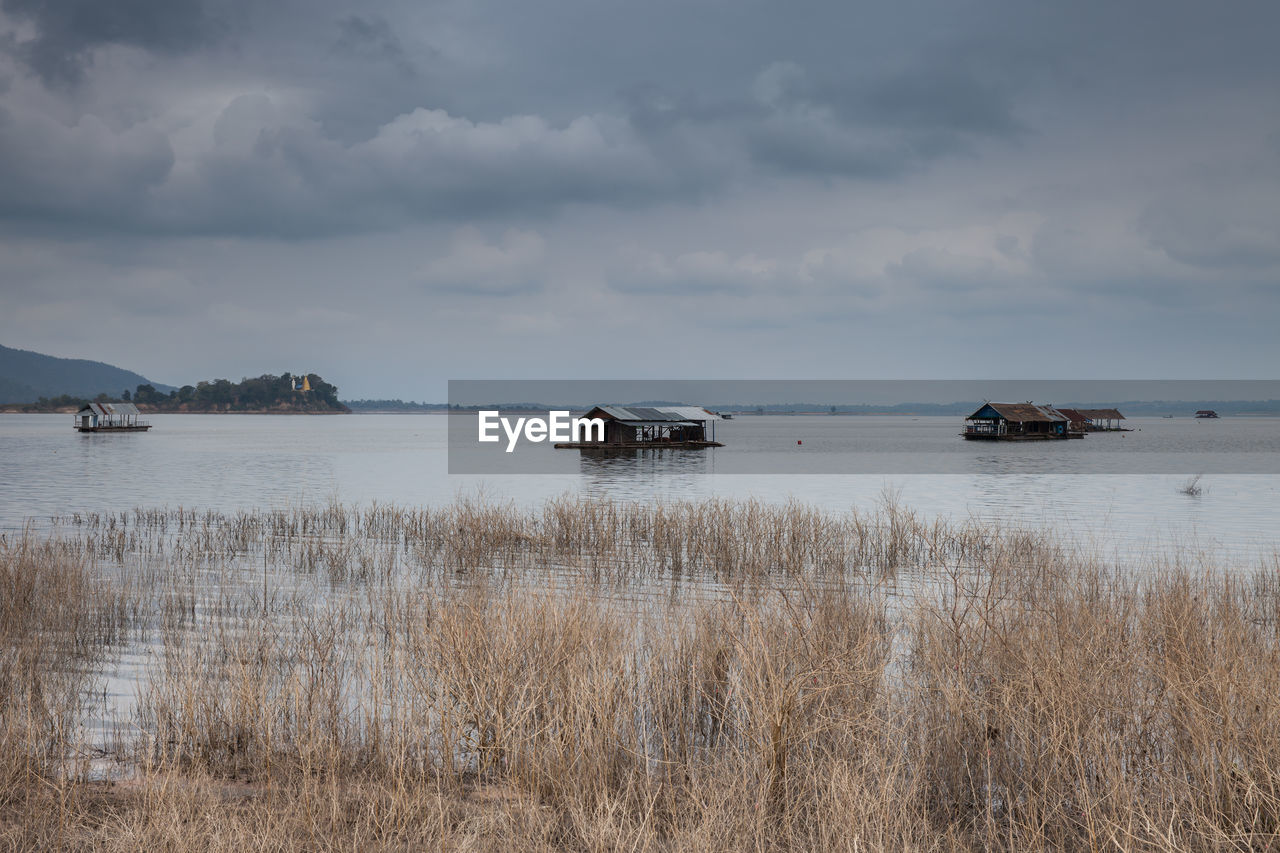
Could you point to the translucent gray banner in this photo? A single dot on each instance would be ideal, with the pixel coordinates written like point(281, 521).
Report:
point(872, 427)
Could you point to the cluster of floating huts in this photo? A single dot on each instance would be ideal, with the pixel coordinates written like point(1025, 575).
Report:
point(692, 426)
point(628, 427)
point(1033, 421)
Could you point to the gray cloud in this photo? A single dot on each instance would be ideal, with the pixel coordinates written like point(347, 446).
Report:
point(70, 175)
point(789, 186)
point(1211, 231)
point(68, 31)
point(373, 38)
point(341, 143)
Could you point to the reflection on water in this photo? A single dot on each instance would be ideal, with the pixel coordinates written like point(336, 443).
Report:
point(230, 462)
point(599, 467)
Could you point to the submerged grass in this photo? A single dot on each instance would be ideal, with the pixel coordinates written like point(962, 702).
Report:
point(715, 676)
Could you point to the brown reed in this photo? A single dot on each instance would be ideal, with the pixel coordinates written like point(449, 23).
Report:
point(715, 676)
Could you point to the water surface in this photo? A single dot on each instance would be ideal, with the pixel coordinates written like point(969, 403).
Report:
point(230, 462)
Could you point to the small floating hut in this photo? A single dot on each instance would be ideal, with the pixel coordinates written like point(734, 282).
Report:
point(1103, 420)
point(1017, 422)
point(634, 427)
point(109, 417)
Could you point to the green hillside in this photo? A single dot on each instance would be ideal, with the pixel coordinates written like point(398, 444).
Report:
point(26, 376)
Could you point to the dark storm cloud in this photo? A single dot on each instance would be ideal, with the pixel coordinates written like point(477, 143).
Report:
point(810, 168)
point(68, 176)
point(368, 125)
point(273, 175)
point(372, 37)
point(274, 171)
point(67, 31)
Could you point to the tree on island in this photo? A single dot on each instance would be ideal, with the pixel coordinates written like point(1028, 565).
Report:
point(263, 393)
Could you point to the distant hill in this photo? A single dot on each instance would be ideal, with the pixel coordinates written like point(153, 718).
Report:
point(26, 376)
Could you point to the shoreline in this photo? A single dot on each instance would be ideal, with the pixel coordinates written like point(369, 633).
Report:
point(21, 409)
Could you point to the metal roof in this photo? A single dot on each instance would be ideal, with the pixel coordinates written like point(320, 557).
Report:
point(1023, 412)
point(107, 410)
point(1102, 414)
point(650, 416)
point(692, 413)
point(618, 413)
point(649, 413)
point(660, 423)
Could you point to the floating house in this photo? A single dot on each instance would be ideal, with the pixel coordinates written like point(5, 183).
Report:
point(109, 417)
point(649, 426)
point(1017, 422)
point(1206, 413)
point(1103, 420)
point(1076, 420)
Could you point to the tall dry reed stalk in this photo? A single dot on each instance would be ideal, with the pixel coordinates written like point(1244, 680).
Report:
point(719, 675)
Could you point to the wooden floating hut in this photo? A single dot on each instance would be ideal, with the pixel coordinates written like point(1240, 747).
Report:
point(1077, 422)
point(1206, 413)
point(109, 417)
point(1018, 422)
point(1093, 420)
point(636, 427)
point(1103, 420)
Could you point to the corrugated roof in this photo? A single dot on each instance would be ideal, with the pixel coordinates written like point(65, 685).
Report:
point(1074, 415)
point(654, 414)
point(692, 413)
point(1102, 414)
point(1024, 412)
point(107, 410)
point(649, 415)
point(618, 413)
point(660, 423)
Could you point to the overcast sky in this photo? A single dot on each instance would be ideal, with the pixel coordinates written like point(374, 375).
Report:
point(394, 193)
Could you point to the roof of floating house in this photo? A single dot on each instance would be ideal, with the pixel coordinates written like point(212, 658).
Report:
point(108, 410)
point(658, 416)
point(1074, 415)
point(1018, 413)
point(1102, 414)
point(692, 413)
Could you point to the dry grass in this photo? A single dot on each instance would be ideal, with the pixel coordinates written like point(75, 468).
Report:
point(718, 676)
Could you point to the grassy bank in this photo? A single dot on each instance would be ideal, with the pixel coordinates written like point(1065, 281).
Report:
point(716, 676)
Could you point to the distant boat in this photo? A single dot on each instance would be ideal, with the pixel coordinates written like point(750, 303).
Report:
point(1206, 413)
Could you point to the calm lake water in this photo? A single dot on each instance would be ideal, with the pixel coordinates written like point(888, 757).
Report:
point(230, 462)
